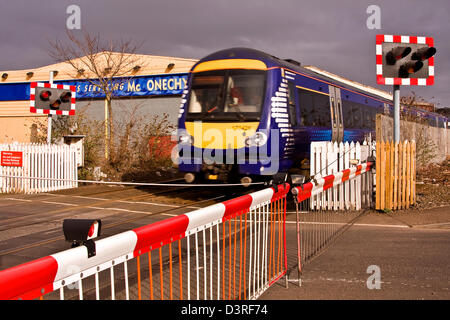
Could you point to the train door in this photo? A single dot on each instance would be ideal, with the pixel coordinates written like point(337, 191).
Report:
point(292, 107)
point(337, 123)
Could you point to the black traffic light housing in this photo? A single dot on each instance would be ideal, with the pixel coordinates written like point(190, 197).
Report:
point(410, 61)
point(82, 232)
point(53, 99)
point(48, 98)
point(405, 60)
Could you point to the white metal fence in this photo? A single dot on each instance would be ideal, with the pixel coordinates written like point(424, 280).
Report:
point(43, 168)
point(329, 158)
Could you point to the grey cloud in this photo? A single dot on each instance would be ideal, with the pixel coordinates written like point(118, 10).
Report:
point(329, 34)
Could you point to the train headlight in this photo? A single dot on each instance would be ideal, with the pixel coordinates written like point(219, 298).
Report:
point(186, 138)
point(256, 140)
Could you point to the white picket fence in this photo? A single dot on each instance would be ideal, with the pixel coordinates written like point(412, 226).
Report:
point(44, 168)
point(329, 158)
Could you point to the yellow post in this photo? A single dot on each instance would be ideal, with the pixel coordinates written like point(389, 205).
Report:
point(387, 204)
point(400, 171)
point(382, 176)
point(378, 176)
point(408, 175)
point(395, 176)
point(404, 174)
point(413, 173)
point(106, 130)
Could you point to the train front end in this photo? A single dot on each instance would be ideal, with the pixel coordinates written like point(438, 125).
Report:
point(224, 129)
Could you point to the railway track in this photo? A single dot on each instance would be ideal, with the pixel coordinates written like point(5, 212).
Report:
point(111, 223)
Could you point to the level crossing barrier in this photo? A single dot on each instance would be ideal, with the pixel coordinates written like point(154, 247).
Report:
point(317, 229)
point(327, 158)
point(232, 250)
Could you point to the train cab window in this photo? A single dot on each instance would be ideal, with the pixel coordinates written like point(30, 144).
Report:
point(314, 109)
point(244, 93)
point(292, 106)
point(206, 93)
point(227, 95)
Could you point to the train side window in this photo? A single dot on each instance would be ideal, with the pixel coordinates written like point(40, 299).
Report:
point(322, 106)
point(356, 115)
point(347, 114)
point(314, 109)
point(367, 116)
point(291, 102)
point(307, 111)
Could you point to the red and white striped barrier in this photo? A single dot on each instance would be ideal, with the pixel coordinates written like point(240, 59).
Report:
point(316, 229)
point(319, 185)
point(40, 277)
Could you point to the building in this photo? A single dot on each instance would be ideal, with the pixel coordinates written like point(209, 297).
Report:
point(153, 86)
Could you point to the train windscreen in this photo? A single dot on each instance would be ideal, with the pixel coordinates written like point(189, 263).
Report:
point(227, 95)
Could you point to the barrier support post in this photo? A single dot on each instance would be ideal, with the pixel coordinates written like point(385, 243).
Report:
point(299, 267)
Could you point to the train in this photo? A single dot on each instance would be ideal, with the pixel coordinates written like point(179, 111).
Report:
point(247, 115)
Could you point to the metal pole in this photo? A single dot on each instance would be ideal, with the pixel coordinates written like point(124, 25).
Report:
point(49, 120)
point(106, 130)
point(396, 113)
point(299, 262)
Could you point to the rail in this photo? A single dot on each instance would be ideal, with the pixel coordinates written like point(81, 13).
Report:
point(317, 229)
point(232, 250)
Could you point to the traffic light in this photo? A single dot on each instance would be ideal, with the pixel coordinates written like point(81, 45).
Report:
point(52, 99)
point(405, 60)
point(82, 232)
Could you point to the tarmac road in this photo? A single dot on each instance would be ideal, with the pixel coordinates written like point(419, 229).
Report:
point(411, 249)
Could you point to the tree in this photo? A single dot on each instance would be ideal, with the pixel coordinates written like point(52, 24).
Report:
point(105, 65)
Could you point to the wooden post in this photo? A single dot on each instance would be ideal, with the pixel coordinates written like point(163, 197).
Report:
point(413, 168)
point(387, 204)
point(404, 174)
point(395, 175)
point(382, 176)
point(378, 176)
point(408, 174)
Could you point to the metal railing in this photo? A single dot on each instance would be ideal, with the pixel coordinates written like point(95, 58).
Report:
point(317, 229)
point(232, 250)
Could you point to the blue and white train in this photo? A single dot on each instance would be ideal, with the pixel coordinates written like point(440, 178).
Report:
point(247, 114)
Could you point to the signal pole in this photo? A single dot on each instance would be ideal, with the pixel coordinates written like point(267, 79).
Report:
point(396, 113)
point(404, 60)
point(49, 120)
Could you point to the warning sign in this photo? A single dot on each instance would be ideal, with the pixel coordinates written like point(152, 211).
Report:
point(11, 158)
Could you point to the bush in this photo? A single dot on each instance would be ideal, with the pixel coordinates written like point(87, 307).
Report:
point(131, 156)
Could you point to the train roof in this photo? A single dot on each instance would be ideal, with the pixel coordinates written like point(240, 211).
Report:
point(319, 74)
point(273, 61)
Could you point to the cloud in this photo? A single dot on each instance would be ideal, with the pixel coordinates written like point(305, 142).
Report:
point(329, 34)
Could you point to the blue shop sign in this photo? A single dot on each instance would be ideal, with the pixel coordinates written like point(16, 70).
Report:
point(173, 84)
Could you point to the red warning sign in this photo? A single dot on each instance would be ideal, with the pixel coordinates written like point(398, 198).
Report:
point(11, 158)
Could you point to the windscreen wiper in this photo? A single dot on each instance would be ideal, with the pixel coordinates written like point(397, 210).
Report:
point(239, 112)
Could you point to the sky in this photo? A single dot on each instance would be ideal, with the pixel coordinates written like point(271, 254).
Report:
point(332, 35)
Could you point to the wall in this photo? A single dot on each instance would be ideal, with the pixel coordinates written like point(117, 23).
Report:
point(16, 121)
point(123, 108)
point(414, 131)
